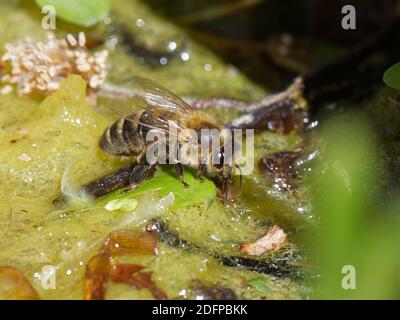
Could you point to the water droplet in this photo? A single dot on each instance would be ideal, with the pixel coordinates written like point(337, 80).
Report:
point(111, 43)
point(185, 56)
point(140, 23)
point(171, 46)
point(208, 67)
point(163, 61)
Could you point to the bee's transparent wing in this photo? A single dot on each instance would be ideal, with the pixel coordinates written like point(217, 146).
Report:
point(124, 109)
point(160, 102)
point(137, 105)
point(157, 95)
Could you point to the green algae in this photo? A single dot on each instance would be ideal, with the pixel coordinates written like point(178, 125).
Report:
point(61, 135)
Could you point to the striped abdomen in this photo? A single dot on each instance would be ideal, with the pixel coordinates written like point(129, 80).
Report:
point(124, 137)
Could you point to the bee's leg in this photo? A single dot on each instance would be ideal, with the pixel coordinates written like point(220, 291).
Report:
point(179, 167)
point(179, 172)
point(141, 172)
point(227, 185)
point(201, 178)
point(201, 172)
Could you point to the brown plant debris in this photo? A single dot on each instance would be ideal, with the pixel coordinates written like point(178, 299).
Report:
point(101, 268)
point(272, 241)
point(15, 286)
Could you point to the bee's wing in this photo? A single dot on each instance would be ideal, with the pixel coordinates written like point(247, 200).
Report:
point(158, 96)
point(124, 109)
point(136, 105)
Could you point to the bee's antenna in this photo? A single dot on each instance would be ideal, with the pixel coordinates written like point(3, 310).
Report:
point(240, 178)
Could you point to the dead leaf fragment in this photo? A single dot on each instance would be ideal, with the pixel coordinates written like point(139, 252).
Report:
point(272, 241)
point(15, 286)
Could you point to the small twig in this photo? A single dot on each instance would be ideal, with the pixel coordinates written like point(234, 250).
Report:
point(222, 103)
point(116, 92)
point(275, 267)
point(284, 112)
point(147, 54)
point(111, 91)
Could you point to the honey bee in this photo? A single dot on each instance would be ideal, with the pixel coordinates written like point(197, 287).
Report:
point(162, 110)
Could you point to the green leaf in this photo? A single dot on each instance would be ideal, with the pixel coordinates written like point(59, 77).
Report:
point(260, 283)
point(85, 13)
point(166, 181)
point(392, 76)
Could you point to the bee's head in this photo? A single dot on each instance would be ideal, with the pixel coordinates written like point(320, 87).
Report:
point(223, 160)
point(229, 150)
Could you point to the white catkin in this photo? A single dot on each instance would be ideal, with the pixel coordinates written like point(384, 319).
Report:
point(38, 66)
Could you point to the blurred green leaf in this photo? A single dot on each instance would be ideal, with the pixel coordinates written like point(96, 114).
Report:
point(341, 199)
point(392, 76)
point(166, 181)
point(352, 231)
point(85, 13)
point(260, 283)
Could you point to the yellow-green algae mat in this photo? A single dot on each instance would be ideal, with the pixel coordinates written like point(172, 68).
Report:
point(61, 135)
point(55, 146)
